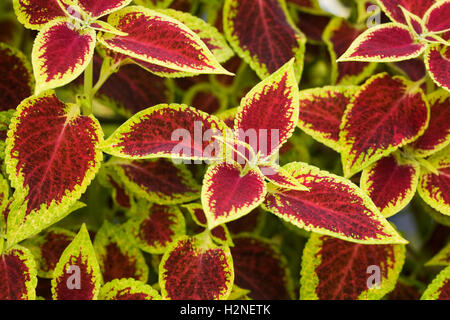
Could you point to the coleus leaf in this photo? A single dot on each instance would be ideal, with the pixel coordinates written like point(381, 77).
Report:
point(77, 275)
point(108, 178)
point(333, 206)
point(222, 236)
point(51, 137)
point(155, 227)
point(17, 274)
point(339, 35)
point(434, 186)
point(197, 213)
point(393, 10)
point(150, 134)
point(128, 289)
point(97, 8)
point(322, 110)
point(16, 77)
point(60, 54)
point(117, 255)
point(159, 39)
point(310, 6)
point(266, 49)
point(48, 247)
point(261, 268)
point(268, 114)
point(154, 3)
point(439, 289)
point(437, 135)
point(228, 193)
point(34, 14)
point(436, 18)
point(205, 97)
point(312, 26)
point(414, 68)
point(437, 61)
point(442, 258)
point(193, 268)
point(159, 180)
point(352, 266)
point(391, 183)
point(280, 178)
point(374, 127)
point(387, 42)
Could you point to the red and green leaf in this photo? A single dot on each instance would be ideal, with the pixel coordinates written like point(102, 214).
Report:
point(261, 268)
point(310, 6)
point(393, 10)
point(197, 214)
point(117, 255)
point(52, 154)
point(228, 193)
point(333, 206)
point(279, 177)
point(270, 112)
point(313, 26)
point(386, 114)
point(77, 275)
point(439, 288)
point(322, 110)
point(266, 49)
point(161, 40)
point(97, 8)
point(17, 274)
point(222, 236)
point(442, 258)
point(437, 61)
point(16, 77)
point(384, 43)
point(150, 134)
point(128, 289)
point(391, 183)
point(155, 227)
point(195, 269)
point(34, 14)
point(333, 269)
point(436, 18)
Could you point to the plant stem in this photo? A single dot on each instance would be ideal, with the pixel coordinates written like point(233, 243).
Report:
point(88, 81)
point(108, 68)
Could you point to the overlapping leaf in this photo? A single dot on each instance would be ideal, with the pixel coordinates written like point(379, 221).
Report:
point(437, 60)
point(436, 18)
point(128, 289)
point(393, 10)
point(439, 289)
point(98, 8)
point(34, 14)
point(442, 258)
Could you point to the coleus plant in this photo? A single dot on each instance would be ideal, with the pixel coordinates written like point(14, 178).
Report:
point(150, 221)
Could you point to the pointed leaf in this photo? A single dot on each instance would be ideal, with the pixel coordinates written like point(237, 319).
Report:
point(16, 77)
point(393, 10)
point(437, 61)
point(197, 213)
point(60, 54)
point(279, 177)
point(333, 206)
point(195, 269)
point(34, 14)
point(155, 38)
point(268, 114)
point(52, 155)
point(261, 268)
point(333, 269)
point(436, 18)
point(128, 289)
point(384, 43)
point(439, 289)
point(442, 258)
point(17, 274)
point(263, 35)
point(229, 194)
point(156, 132)
point(386, 114)
point(98, 8)
point(391, 183)
point(159, 181)
point(77, 275)
point(117, 255)
point(222, 236)
point(155, 227)
point(322, 110)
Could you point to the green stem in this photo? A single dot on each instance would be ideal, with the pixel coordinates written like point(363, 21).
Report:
point(108, 68)
point(88, 81)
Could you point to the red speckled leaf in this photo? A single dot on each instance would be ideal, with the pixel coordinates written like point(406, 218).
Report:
point(393, 10)
point(442, 258)
point(155, 227)
point(279, 177)
point(333, 269)
point(333, 206)
point(384, 43)
point(229, 194)
point(439, 289)
point(117, 255)
point(321, 112)
point(60, 54)
point(159, 181)
point(17, 274)
point(386, 114)
point(437, 17)
point(197, 213)
point(261, 268)
point(339, 35)
point(52, 155)
point(222, 236)
point(195, 269)
point(437, 61)
point(437, 135)
point(167, 131)
point(268, 114)
point(159, 39)
point(391, 183)
point(77, 275)
point(16, 77)
point(34, 14)
point(128, 289)
point(262, 33)
point(98, 8)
